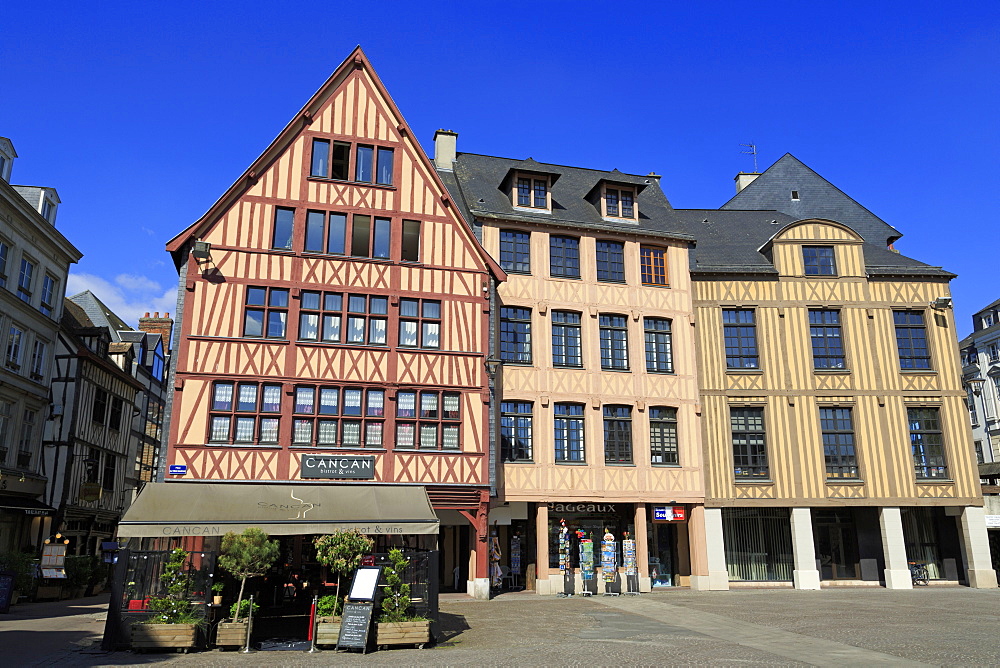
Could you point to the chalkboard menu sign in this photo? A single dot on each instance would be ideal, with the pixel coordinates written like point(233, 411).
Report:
point(6, 590)
point(355, 624)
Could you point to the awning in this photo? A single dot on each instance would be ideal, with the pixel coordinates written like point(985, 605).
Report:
point(26, 503)
point(212, 509)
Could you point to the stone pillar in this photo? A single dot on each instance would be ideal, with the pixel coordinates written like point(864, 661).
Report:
point(897, 571)
point(542, 549)
point(642, 548)
point(977, 549)
point(805, 575)
point(708, 550)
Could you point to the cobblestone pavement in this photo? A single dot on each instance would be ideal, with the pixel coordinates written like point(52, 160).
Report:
point(932, 626)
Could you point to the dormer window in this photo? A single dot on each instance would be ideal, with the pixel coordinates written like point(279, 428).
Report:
point(618, 202)
point(532, 192)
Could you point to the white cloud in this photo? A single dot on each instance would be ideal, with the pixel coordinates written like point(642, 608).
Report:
point(129, 297)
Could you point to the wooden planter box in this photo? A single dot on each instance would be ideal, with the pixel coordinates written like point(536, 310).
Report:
point(404, 633)
point(327, 630)
point(232, 634)
point(164, 636)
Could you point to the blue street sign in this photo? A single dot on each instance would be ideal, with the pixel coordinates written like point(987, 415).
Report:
point(178, 469)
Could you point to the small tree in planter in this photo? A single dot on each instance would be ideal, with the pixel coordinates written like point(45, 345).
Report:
point(173, 623)
point(247, 555)
point(342, 552)
point(328, 609)
point(396, 626)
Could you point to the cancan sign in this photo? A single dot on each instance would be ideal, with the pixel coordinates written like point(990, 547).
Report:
point(359, 467)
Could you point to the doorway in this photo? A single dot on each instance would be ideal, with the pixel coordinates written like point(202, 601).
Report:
point(836, 541)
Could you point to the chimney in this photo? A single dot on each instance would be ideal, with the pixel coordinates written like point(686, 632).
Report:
point(445, 148)
point(743, 179)
point(157, 325)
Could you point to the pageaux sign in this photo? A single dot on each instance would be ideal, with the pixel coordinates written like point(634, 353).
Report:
point(582, 507)
point(354, 467)
point(669, 513)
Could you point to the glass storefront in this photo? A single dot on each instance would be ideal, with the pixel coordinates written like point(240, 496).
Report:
point(594, 519)
point(662, 563)
point(758, 543)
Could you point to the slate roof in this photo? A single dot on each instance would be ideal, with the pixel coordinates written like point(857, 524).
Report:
point(98, 312)
point(74, 317)
point(475, 184)
point(818, 198)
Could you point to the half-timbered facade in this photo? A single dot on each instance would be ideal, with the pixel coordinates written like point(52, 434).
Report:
point(333, 306)
point(836, 440)
point(598, 420)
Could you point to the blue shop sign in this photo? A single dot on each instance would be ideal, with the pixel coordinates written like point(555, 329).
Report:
point(178, 469)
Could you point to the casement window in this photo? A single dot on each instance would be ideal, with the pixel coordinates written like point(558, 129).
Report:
point(516, 431)
point(24, 280)
point(38, 360)
point(15, 342)
point(109, 471)
point(619, 203)
point(659, 348)
point(419, 323)
point(978, 445)
point(330, 165)
point(428, 420)
point(569, 433)
point(663, 435)
point(819, 261)
point(410, 242)
point(614, 342)
point(653, 263)
point(5, 430)
point(326, 232)
point(927, 443)
point(99, 409)
point(4, 254)
point(911, 340)
point(48, 295)
point(349, 417)
point(532, 192)
point(749, 443)
point(266, 313)
point(322, 317)
point(370, 237)
point(970, 402)
point(827, 346)
point(566, 344)
point(373, 161)
point(284, 228)
point(515, 334)
point(740, 333)
point(994, 352)
point(115, 414)
point(564, 257)
point(26, 446)
point(245, 413)
point(837, 428)
point(610, 261)
point(618, 434)
point(515, 251)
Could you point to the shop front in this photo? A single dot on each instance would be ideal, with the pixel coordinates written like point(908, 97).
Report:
point(24, 518)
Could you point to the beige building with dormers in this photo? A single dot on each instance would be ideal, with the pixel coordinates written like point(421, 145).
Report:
point(598, 415)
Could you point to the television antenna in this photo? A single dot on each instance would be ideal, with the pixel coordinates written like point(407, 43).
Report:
point(751, 150)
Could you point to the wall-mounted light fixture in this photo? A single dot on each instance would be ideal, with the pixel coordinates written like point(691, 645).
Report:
point(976, 384)
point(202, 250)
point(941, 303)
point(492, 366)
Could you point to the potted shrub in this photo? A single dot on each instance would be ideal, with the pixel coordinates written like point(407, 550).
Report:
point(78, 572)
point(244, 555)
point(328, 619)
point(342, 552)
point(217, 588)
point(396, 625)
point(173, 624)
point(23, 567)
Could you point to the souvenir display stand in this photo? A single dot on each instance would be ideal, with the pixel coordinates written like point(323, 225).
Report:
point(515, 563)
point(565, 563)
point(631, 566)
point(587, 572)
point(609, 563)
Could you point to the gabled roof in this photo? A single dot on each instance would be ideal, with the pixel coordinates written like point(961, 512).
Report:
point(818, 198)
point(477, 181)
point(98, 312)
point(301, 121)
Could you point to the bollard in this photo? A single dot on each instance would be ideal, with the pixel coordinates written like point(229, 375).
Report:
point(246, 650)
point(312, 626)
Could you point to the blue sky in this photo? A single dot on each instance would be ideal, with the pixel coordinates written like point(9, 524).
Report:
point(141, 116)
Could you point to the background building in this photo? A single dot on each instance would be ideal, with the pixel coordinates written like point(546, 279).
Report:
point(34, 261)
